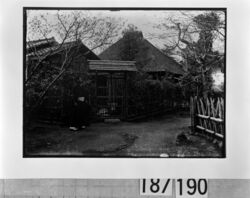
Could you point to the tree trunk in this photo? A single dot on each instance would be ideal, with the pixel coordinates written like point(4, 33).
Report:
point(204, 84)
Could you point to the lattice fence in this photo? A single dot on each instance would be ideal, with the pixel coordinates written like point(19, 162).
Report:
point(207, 116)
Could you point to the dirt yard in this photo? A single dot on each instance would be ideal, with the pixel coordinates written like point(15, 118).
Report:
point(148, 138)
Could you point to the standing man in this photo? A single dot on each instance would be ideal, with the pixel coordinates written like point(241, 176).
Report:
point(81, 111)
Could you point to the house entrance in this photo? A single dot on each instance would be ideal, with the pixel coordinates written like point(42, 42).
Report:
point(110, 95)
point(110, 78)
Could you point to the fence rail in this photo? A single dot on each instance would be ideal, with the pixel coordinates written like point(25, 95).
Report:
point(207, 116)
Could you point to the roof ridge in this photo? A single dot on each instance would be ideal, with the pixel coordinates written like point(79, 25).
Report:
point(43, 39)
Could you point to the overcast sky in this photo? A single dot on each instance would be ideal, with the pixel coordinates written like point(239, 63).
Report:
point(145, 20)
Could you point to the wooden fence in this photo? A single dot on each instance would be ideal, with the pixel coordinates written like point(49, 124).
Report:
point(207, 117)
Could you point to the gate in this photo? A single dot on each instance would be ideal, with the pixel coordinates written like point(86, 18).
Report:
point(110, 95)
point(110, 77)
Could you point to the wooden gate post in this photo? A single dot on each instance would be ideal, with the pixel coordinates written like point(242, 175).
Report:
point(125, 98)
point(96, 87)
point(193, 113)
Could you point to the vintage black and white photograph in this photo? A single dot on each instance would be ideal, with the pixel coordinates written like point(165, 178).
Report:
point(119, 188)
point(117, 82)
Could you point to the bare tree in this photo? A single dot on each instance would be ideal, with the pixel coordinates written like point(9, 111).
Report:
point(70, 28)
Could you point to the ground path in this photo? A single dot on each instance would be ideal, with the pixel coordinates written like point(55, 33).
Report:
point(153, 137)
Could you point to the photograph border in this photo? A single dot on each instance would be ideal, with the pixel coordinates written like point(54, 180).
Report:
point(224, 9)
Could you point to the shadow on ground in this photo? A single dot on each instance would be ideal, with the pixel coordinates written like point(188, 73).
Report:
point(148, 138)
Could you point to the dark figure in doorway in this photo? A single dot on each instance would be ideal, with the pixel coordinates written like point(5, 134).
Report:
point(80, 114)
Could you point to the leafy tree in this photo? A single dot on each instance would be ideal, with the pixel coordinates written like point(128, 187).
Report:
point(195, 43)
point(200, 56)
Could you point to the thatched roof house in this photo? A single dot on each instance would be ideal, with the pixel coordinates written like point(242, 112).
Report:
point(154, 60)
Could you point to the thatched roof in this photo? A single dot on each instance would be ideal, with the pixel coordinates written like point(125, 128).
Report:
point(156, 60)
